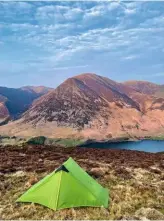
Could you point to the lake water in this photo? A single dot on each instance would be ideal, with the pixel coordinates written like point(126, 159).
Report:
point(145, 145)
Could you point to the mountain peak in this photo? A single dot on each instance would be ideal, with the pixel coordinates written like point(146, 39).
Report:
point(41, 90)
point(86, 75)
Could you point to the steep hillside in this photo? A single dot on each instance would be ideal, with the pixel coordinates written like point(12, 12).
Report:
point(4, 114)
point(81, 100)
point(72, 104)
point(91, 106)
point(17, 101)
point(103, 85)
point(108, 89)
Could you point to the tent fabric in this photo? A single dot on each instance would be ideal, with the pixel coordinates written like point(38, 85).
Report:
point(68, 186)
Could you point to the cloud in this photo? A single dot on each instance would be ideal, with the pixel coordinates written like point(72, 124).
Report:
point(60, 34)
point(70, 67)
point(13, 8)
point(73, 14)
point(128, 8)
point(57, 13)
point(100, 9)
point(15, 5)
point(154, 22)
point(130, 57)
point(130, 11)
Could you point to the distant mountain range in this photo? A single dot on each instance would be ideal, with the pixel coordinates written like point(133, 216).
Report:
point(86, 105)
point(14, 102)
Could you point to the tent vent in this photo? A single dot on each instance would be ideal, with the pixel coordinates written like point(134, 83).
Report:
point(62, 168)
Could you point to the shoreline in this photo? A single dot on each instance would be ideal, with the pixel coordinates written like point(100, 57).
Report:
point(70, 142)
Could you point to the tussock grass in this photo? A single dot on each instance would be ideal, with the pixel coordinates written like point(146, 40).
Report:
point(130, 195)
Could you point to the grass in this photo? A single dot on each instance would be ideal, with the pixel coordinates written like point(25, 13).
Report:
point(158, 137)
point(64, 142)
point(128, 194)
point(41, 140)
point(7, 140)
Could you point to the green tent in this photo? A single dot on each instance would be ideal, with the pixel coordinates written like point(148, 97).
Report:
point(68, 186)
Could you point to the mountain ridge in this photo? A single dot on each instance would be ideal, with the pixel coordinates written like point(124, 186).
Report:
point(92, 106)
point(40, 90)
point(146, 87)
point(16, 101)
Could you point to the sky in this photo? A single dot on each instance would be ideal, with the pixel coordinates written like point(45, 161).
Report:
point(44, 43)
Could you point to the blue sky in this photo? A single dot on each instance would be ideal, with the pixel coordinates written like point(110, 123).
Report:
point(43, 43)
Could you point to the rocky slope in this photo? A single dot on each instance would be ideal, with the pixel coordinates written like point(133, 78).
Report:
point(72, 104)
point(15, 101)
point(91, 106)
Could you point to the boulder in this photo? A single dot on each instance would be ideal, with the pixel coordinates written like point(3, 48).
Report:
point(149, 213)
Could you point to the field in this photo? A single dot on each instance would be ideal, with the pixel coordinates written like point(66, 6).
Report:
point(135, 181)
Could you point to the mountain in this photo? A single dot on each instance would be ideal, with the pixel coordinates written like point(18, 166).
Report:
point(160, 92)
point(79, 100)
point(4, 114)
point(96, 82)
point(40, 90)
point(16, 101)
point(146, 87)
point(91, 106)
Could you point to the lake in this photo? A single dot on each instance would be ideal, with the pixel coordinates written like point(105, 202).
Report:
point(151, 146)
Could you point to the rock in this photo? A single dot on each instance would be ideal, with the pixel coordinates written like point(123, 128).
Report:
point(22, 154)
point(156, 170)
point(19, 173)
point(32, 180)
point(98, 172)
point(108, 136)
point(149, 213)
